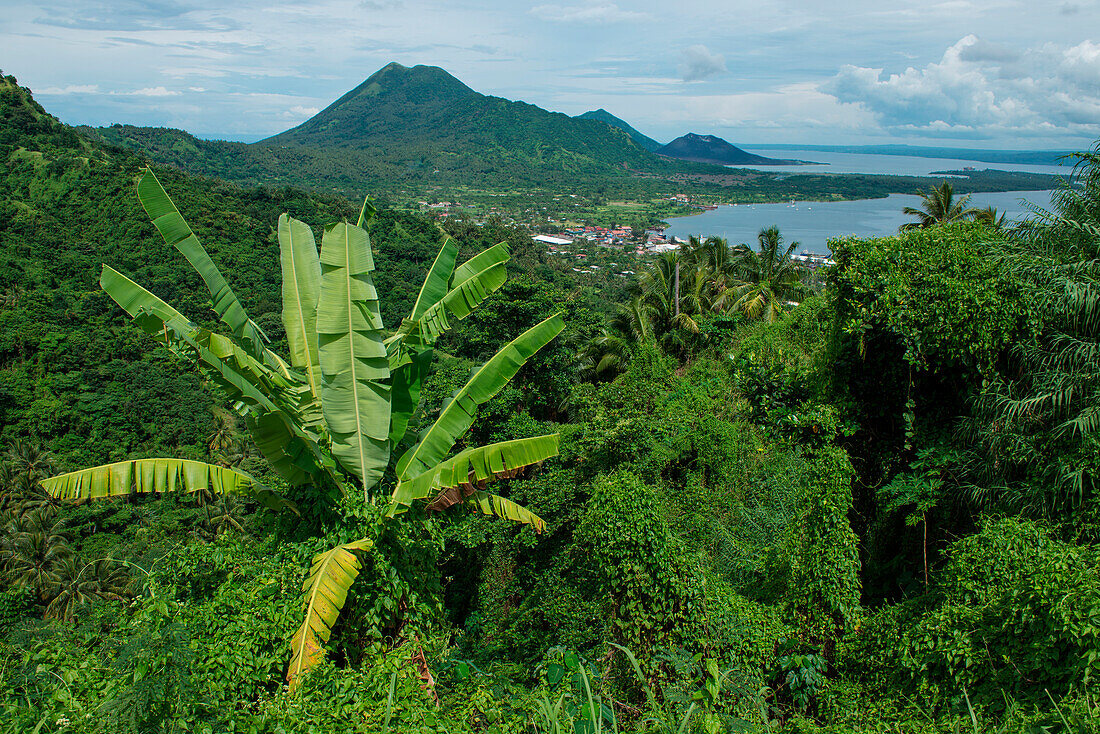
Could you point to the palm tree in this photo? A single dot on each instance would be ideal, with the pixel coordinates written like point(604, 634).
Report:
point(30, 459)
point(332, 418)
point(670, 293)
point(76, 584)
point(607, 355)
point(767, 280)
point(1040, 426)
point(938, 206)
point(990, 216)
point(33, 547)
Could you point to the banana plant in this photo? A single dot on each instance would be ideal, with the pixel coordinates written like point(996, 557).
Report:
point(331, 415)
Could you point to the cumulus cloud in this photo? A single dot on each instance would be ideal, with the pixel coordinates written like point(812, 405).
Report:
point(978, 89)
point(593, 13)
point(302, 111)
point(699, 63)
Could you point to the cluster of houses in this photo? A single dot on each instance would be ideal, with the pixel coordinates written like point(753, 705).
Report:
point(608, 237)
point(685, 200)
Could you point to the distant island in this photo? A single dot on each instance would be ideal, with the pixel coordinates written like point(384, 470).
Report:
point(713, 149)
point(1026, 157)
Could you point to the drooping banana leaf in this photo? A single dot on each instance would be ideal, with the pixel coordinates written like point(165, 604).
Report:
point(142, 476)
point(355, 394)
point(405, 391)
point(288, 454)
point(170, 327)
point(497, 506)
point(326, 590)
point(470, 468)
point(175, 231)
point(457, 417)
point(301, 268)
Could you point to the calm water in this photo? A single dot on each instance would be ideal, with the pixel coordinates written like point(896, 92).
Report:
point(900, 165)
point(814, 223)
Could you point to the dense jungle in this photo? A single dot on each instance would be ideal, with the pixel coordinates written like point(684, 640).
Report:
point(426, 481)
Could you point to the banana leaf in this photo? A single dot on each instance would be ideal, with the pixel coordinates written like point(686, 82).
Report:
point(301, 268)
point(326, 589)
point(457, 417)
point(405, 391)
point(436, 282)
point(355, 393)
point(143, 476)
point(497, 506)
point(460, 301)
point(485, 259)
point(175, 231)
point(469, 469)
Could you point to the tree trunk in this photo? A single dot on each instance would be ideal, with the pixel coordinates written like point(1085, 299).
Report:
point(676, 289)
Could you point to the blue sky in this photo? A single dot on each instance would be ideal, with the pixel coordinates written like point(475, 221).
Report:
point(988, 73)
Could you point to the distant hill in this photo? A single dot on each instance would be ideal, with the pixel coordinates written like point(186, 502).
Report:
point(604, 116)
point(713, 149)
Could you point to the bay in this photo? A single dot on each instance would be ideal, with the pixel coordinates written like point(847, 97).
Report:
point(813, 223)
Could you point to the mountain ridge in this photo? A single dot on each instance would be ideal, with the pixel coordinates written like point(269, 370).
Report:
point(604, 116)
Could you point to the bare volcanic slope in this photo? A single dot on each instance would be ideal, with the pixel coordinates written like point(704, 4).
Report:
point(713, 149)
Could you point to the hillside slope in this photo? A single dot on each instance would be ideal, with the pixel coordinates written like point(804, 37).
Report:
point(604, 116)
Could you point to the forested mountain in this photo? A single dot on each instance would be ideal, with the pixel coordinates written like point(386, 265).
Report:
point(604, 116)
point(713, 149)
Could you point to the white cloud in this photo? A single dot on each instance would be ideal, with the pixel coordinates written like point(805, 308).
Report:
point(699, 63)
point(300, 111)
point(152, 92)
point(979, 89)
point(593, 13)
point(70, 89)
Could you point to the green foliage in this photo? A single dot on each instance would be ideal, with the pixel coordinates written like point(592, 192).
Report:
point(824, 587)
point(747, 505)
point(633, 562)
point(1013, 610)
point(934, 293)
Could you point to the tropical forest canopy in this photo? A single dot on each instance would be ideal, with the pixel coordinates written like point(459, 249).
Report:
point(720, 493)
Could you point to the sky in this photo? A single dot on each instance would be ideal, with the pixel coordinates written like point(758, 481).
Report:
point(986, 74)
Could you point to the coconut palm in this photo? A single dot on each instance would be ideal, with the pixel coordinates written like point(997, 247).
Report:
point(768, 280)
point(75, 584)
point(332, 418)
point(939, 206)
point(30, 459)
point(34, 546)
point(607, 355)
point(990, 216)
